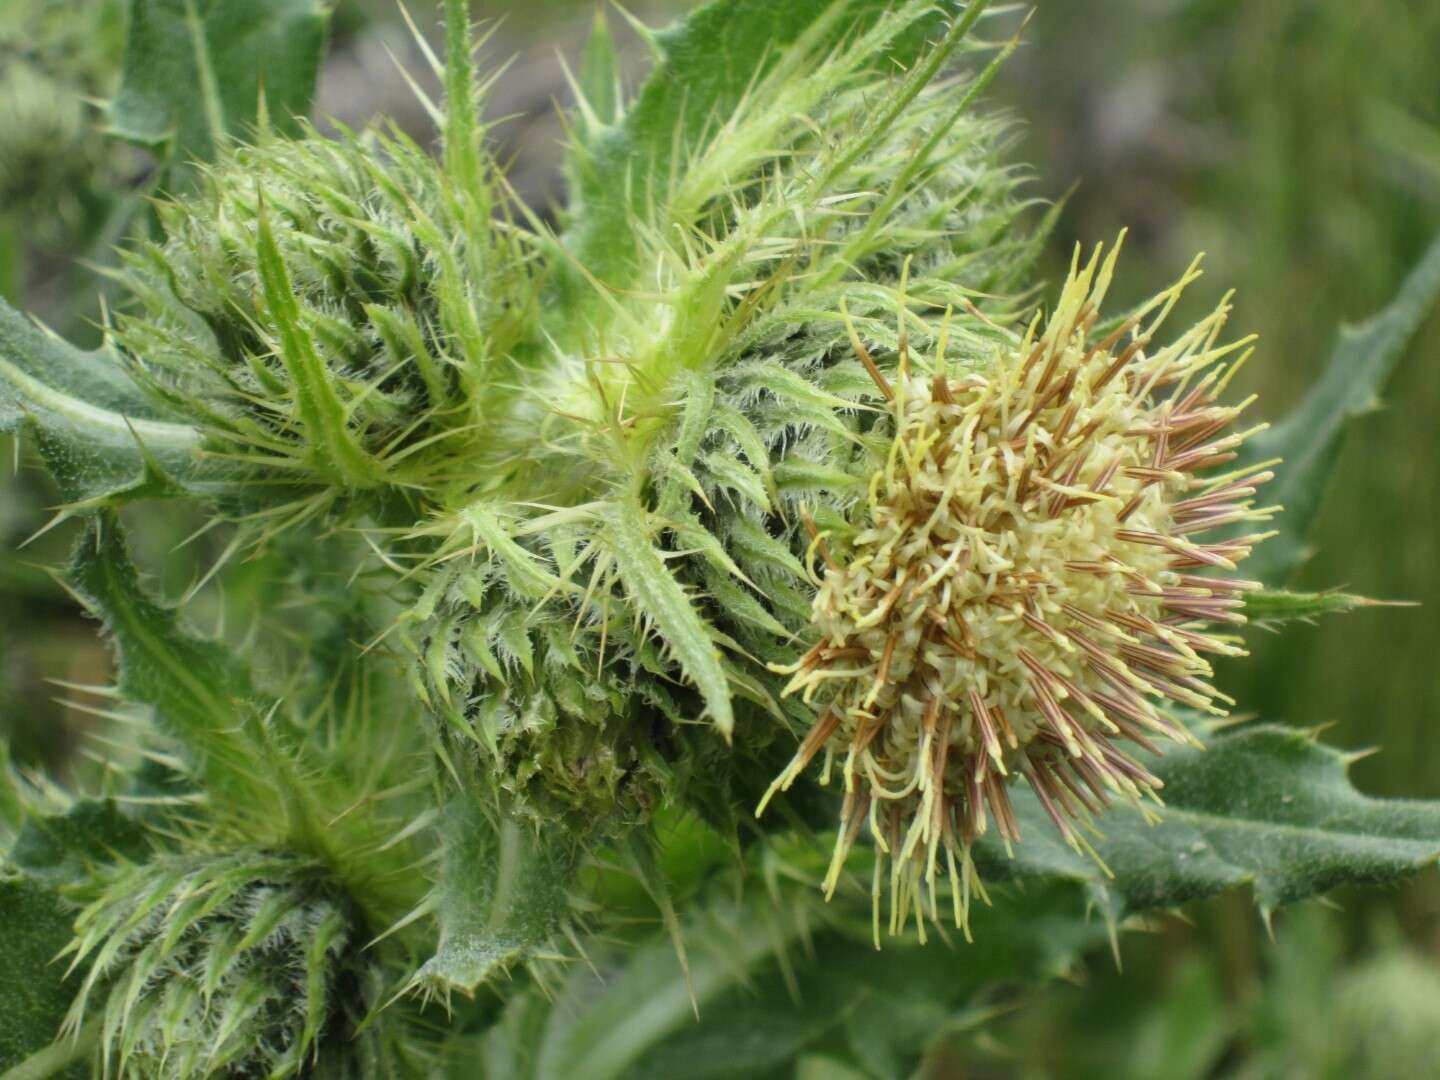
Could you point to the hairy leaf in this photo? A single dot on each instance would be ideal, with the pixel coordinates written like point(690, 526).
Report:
point(1310, 438)
point(60, 849)
point(502, 894)
point(648, 997)
point(706, 65)
point(875, 1009)
point(772, 977)
point(600, 75)
point(332, 444)
point(199, 697)
point(1272, 606)
point(196, 71)
point(99, 435)
point(1268, 807)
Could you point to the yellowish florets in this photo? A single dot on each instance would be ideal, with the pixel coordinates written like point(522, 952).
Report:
point(1026, 588)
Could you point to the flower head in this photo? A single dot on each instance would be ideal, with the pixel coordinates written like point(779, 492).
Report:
point(1028, 586)
point(239, 964)
point(322, 308)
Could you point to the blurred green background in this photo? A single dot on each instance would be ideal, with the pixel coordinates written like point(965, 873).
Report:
point(1297, 143)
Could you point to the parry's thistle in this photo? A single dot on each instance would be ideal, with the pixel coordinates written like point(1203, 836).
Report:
point(560, 533)
point(1028, 585)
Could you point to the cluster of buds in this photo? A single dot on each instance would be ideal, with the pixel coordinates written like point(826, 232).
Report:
point(1028, 588)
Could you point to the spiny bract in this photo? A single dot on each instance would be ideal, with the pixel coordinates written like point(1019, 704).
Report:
point(323, 308)
point(239, 964)
point(1026, 585)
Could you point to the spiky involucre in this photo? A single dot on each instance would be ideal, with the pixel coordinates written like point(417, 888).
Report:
point(239, 964)
point(321, 308)
point(1026, 586)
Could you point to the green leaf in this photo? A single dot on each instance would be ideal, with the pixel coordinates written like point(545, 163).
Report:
point(503, 893)
point(1272, 606)
point(34, 993)
point(773, 975)
point(260, 777)
point(333, 444)
point(1265, 806)
point(1310, 438)
point(648, 997)
point(656, 595)
point(1184, 1034)
point(196, 71)
point(12, 796)
point(199, 698)
point(62, 849)
point(878, 1009)
point(706, 65)
point(101, 438)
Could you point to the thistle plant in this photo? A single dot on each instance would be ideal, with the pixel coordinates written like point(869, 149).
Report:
point(582, 542)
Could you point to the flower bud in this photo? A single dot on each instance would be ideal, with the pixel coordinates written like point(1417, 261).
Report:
point(229, 965)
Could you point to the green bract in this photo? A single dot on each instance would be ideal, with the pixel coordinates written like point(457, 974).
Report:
point(329, 309)
point(239, 964)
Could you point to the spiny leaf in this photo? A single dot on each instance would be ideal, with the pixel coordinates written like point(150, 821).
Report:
point(708, 63)
point(600, 75)
point(331, 441)
point(199, 697)
point(876, 1010)
point(1272, 606)
point(243, 748)
point(60, 849)
point(1265, 806)
point(196, 72)
point(648, 998)
point(640, 855)
point(100, 437)
point(13, 807)
point(502, 894)
point(463, 161)
point(655, 594)
point(1310, 438)
point(772, 976)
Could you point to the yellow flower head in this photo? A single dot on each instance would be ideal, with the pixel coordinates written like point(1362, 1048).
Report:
point(1029, 586)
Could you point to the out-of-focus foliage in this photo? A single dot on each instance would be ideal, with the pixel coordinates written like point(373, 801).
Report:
point(54, 161)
